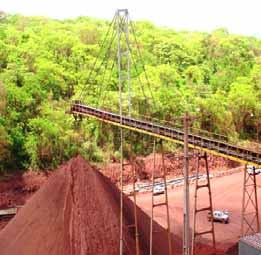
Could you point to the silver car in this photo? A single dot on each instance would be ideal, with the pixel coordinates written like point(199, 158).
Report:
point(158, 189)
point(221, 216)
point(252, 170)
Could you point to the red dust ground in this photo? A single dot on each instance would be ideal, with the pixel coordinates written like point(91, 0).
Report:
point(226, 194)
point(77, 213)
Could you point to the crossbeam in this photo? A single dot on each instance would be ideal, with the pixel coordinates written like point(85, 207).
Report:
point(209, 145)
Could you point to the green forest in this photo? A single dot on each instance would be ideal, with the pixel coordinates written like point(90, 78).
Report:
point(46, 63)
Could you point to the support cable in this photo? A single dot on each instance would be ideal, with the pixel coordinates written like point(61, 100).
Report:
point(140, 82)
point(105, 93)
point(143, 65)
point(105, 69)
point(104, 60)
point(97, 57)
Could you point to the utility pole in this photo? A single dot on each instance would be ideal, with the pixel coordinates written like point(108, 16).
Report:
point(186, 210)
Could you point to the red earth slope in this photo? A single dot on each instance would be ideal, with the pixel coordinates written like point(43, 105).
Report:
point(76, 213)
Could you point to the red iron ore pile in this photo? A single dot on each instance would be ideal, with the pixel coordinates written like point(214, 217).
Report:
point(77, 212)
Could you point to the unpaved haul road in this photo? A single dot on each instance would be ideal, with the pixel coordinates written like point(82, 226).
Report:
point(226, 194)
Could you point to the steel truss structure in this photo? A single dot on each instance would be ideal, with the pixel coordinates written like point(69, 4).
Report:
point(208, 208)
point(161, 176)
point(250, 223)
point(123, 59)
point(209, 145)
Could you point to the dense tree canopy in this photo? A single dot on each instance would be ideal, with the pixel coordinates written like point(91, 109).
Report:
point(44, 64)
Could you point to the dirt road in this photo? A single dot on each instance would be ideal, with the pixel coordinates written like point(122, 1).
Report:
point(227, 194)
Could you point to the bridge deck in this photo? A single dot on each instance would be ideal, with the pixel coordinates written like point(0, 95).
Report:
point(209, 145)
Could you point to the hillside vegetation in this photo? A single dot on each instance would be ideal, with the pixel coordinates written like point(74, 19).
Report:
point(45, 63)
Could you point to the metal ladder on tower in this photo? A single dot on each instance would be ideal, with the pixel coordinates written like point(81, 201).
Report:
point(250, 223)
point(209, 208)
point(165, 203)
point(133, 194)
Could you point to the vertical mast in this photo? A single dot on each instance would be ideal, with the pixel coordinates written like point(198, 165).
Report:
point(118, 18)
point(124, 64)
point(186, 224)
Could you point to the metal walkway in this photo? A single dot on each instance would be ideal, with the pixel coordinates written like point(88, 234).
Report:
point(209, 145)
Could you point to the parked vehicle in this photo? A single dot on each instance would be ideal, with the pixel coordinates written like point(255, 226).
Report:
point(131, 192)
point(220, 216)
point(252, 170)
point(158, 189)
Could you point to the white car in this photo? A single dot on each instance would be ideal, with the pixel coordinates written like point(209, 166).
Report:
point(252, 170)
point(158, 189)
point(131, 192)
point(221, 216)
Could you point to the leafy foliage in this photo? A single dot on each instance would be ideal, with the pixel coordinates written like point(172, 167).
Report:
point(45, 63)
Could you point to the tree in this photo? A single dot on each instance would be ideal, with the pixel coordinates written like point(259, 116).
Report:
point(46, 63)
point(242, 103)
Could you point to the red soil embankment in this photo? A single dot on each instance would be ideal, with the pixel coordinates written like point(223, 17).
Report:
point(77, 213)
point(15, 190)
point(173, 164)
